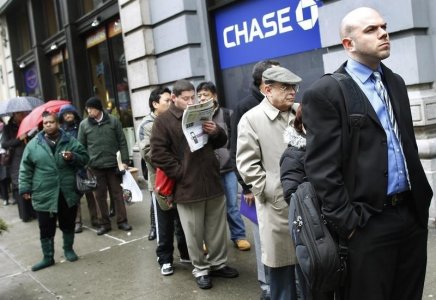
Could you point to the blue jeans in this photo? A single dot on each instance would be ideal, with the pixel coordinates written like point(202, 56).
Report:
point(236, 225)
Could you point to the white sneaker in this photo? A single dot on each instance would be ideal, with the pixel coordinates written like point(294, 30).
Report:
point(167, 269)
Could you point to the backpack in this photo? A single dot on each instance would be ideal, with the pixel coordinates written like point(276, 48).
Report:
point(322, 258)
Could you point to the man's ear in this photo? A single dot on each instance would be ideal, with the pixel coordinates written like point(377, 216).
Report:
point(173, 97)
point(266, 89)
point(348, 44)
point(155, 104)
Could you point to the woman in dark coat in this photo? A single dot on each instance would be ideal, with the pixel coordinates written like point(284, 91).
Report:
point(47, 177)
point(69, 121)
point(292, 173)
point(16, 145)
point(292, 161)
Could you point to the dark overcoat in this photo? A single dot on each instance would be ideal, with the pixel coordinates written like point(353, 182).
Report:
point(325, 120)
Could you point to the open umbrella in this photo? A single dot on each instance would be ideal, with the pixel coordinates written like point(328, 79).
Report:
point(32, 120)
point(17, 104)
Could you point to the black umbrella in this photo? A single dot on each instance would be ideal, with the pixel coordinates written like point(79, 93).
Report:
point(26, 103)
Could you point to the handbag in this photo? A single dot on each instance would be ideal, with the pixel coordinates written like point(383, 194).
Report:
point(164, 188)
point(5, 156)
point(86, 181)
point(163, 185)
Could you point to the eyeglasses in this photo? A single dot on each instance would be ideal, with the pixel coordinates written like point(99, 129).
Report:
point(288, 87)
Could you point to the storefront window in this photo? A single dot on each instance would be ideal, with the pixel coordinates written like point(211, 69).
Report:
point(20, 30)
point(120, 71)
point(90, 5)
point(50, 20)
point(59, 72)
point(109, 76)
point(100, 69)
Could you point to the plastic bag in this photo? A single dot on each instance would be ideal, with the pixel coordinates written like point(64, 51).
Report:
point(130, 184)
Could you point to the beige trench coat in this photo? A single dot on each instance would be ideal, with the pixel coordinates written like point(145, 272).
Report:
point(260, 145)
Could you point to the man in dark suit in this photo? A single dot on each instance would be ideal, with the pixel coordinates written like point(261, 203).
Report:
point(385, 217)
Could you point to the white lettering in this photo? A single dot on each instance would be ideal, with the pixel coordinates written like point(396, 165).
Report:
point(255, 31)
point(282, 18)
point(226, 31)
point(269, 24)
point(241, 33)
point(273, 23)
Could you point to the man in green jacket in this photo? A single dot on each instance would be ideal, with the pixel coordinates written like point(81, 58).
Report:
point(103, 136)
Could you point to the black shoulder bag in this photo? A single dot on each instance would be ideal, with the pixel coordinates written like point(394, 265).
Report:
point(322, 258)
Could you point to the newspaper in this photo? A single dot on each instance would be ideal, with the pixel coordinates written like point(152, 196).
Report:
point(192, 122)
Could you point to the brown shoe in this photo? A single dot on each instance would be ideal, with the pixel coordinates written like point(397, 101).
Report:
point(242, 245)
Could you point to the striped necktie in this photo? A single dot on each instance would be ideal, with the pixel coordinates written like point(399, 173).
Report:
point(383, 94)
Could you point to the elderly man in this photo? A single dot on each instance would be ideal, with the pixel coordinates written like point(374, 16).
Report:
point(259, 148)
point(385, 217)
point(103, 137)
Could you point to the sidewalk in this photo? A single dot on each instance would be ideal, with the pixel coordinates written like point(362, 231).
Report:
point(123, 265)
point(119, 265)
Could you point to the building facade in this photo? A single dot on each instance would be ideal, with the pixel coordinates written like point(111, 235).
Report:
point(121, 50)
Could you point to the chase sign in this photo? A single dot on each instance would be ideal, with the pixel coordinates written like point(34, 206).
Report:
point(258, 29)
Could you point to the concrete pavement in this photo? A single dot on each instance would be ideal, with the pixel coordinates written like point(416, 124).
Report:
point(119, 265)
point(123, 265)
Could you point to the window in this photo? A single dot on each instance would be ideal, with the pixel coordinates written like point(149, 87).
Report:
point(59, 72)
point(90, 5)
point(18, 24)
point(50, 20)
point(108, 71)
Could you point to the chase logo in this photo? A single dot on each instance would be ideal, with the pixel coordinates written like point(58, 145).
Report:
point(307, 24)
point(259, 29)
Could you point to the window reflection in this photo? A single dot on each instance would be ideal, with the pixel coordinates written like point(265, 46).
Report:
point(108, 71)
point(58, 70)
point(90, 5)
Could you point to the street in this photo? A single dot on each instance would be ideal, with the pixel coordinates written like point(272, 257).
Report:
point(122, 265)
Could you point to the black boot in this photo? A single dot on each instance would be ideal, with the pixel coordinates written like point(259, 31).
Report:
point(69, 253)
point(152, 233)
point(47, 246)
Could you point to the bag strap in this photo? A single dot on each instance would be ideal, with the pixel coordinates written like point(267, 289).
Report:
point(356, 107)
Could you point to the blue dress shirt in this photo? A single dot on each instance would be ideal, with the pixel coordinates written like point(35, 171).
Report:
point(397, 172)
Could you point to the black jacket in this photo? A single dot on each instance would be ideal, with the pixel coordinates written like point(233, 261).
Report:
point(325, 120)
point(292, 163)
point(247, 103)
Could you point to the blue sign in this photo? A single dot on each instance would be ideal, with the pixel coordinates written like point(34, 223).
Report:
point(31, 80)
point(259, 29)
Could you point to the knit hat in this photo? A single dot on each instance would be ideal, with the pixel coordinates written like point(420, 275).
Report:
point(280, 74)
point(94, 102)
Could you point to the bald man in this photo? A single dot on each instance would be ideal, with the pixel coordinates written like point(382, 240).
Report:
point(385, 217)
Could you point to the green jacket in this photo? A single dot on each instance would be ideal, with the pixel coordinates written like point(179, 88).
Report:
point(44, 174)
point(102, 140)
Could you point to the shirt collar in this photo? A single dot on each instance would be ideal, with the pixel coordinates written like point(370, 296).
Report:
point(272, 112)
point(360, 71)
